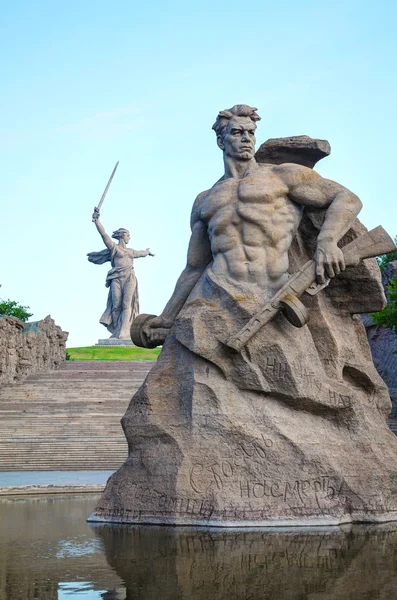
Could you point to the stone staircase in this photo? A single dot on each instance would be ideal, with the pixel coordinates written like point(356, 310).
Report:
point(69, 419)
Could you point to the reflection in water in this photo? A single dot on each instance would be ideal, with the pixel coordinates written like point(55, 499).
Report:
point(352, 563)
point(48, 552)
point(81, 589)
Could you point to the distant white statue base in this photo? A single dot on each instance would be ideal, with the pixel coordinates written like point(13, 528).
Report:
point(114, 342)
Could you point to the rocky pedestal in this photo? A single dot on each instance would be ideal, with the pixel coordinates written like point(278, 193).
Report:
point(205, 451)
point(289, 430)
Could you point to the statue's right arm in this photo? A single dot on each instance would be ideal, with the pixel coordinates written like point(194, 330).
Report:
point(199, 256)
point(107, 240)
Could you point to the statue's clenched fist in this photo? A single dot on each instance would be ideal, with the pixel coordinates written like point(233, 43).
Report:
point(329, 260)
point(149, 331)
point(157, 329)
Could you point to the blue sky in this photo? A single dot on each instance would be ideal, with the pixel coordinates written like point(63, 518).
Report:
point(85, 84)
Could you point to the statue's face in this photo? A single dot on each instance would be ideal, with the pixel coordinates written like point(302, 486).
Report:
point(126, 237)
point(239, 139)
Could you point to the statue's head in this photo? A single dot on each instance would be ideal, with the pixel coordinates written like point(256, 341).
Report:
point(121, 234)
point(235, 131)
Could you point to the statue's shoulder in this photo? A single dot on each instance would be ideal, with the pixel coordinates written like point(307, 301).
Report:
point(195, 215)
point(292, 174)
point(289, 168)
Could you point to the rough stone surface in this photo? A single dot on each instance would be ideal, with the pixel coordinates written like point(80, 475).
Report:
point(27, 348)
point(383, 343)
point(291, 429)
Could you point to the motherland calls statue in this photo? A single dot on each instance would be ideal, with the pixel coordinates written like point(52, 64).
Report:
point(263, 409)
point(123, 301)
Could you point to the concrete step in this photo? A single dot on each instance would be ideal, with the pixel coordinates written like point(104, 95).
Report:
point(68, 419)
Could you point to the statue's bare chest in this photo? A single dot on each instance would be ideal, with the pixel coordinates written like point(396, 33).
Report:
point(122, 257)
point(262, 192)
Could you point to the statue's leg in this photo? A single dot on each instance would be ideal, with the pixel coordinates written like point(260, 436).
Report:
point(129, 290)
point(116, 307)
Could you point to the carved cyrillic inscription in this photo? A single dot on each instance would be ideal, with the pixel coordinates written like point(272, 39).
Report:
point(301, 490)
point(339, 400)
point(279, 371)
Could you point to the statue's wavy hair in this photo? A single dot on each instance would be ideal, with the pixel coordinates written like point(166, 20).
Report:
point(119, 233)
point(238, 110)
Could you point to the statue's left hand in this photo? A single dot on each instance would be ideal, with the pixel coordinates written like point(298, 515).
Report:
point(156, 329)
point(329, 260)
point(150, 253)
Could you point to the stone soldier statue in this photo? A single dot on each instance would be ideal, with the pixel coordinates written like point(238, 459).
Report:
point(123, 301)
point(262, 409)
point(243, 227)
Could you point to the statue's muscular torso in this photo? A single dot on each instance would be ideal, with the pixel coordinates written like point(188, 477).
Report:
point(251, 223)
point(243, 227)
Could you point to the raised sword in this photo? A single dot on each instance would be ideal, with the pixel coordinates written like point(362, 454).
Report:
point(97, 208)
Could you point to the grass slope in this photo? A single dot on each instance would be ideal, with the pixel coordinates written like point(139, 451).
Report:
point(112, 353)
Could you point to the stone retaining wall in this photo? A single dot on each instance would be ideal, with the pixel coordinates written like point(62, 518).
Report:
point(27, 348)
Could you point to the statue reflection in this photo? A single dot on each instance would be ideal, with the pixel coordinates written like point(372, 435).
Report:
point(346, 563)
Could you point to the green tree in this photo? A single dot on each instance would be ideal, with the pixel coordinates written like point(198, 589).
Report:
point(388, 316)
point(11, 308)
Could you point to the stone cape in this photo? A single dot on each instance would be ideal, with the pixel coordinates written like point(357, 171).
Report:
point(291, 431)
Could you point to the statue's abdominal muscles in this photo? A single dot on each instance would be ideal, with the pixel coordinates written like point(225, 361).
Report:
point(251, 223)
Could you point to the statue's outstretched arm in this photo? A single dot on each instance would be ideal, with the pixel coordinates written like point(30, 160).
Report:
point(308, 188)
point(142, 253)
point(109, 243)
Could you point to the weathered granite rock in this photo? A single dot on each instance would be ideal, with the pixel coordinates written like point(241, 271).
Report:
point(383, 343)
point(27, 348)
point(290, 429)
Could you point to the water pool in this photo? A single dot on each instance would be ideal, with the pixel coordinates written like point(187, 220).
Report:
point(49, 552)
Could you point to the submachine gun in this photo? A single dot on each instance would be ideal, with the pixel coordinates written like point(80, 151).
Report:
point(370, 244)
